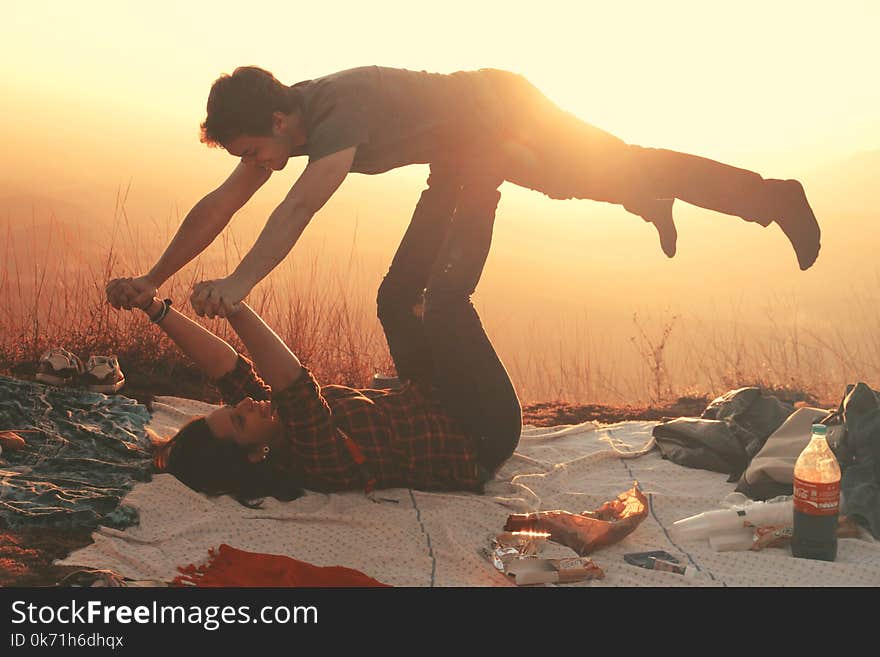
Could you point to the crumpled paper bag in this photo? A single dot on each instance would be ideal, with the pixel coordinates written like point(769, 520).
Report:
point(590, 530)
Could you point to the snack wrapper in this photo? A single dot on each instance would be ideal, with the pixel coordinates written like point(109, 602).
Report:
point(780, 535)
point(508, 546)
point(532, 570)
point(771, 536)
point(516, 554)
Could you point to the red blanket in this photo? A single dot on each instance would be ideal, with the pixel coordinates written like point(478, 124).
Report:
point(228, 566)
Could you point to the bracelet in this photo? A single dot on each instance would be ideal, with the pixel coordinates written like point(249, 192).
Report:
point(163, 311)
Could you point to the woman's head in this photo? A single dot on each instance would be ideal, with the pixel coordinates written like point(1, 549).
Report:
point(249, 424)
point(226, 452)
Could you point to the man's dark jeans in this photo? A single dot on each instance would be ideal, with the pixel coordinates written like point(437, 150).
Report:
point(542, 147)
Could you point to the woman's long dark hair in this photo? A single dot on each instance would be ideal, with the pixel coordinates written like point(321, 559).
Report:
point(216, 467)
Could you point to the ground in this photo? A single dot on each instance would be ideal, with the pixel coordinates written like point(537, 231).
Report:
point(544, 414)
point(26, 555)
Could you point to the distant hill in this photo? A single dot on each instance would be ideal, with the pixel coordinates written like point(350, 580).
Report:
point(24, 207)
point(849, 184)
point(39, 228)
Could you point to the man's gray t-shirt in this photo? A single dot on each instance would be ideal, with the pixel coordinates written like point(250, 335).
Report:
point(397, 117)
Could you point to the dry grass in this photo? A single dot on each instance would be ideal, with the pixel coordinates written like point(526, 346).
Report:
point(52, 292)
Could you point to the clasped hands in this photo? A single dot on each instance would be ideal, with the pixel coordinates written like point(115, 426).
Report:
point(215, 298)
point(218, 298)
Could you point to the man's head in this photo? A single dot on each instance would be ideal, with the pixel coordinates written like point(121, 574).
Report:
point(253, 116)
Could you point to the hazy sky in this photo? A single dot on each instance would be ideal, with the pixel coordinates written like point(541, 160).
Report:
point(748, 79)
point(102, 94)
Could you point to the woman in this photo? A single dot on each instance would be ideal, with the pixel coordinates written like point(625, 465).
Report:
point(454, 421)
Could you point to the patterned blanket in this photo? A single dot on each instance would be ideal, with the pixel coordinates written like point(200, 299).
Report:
point(430, 539)
point(83, 453)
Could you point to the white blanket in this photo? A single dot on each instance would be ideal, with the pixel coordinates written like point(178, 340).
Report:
point(435, 539)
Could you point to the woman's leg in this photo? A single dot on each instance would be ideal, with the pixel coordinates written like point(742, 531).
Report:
point(401, 293)
point(470, 378)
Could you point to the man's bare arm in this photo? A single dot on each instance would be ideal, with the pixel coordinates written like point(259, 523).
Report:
point(205, 221)
point(312, 190)
point(287, 222)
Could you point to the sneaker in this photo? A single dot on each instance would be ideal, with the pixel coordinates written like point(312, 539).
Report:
point(59, 367)
point(103, 374)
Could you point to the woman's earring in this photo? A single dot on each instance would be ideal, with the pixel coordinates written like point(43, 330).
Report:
point(265, 451)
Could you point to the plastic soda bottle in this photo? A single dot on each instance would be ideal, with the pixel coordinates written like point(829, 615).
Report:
point(816, 500)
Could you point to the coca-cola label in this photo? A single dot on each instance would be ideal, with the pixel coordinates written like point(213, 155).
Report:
point(816, 499)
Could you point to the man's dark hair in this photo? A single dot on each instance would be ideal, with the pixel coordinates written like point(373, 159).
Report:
point(221, 467)
point(242, 104)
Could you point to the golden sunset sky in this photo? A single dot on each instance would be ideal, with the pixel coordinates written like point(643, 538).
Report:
point(778, 80)
point(101, 95)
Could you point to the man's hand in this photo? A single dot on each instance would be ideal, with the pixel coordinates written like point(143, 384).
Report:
point(130, 293)
point(218, 298)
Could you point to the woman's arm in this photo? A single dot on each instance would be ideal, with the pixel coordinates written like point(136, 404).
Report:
point(275, 362)
point(212, 354)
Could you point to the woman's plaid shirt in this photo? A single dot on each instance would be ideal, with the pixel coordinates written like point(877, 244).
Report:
point(406, 437)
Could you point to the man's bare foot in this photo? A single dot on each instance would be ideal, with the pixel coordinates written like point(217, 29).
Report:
point(661, 217)
point(797, 221)
point(658, 211)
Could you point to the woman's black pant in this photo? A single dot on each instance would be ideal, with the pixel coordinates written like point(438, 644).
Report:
point(424, 304)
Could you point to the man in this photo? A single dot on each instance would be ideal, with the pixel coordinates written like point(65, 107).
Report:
point(475, 129)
